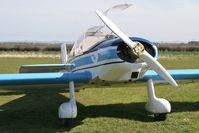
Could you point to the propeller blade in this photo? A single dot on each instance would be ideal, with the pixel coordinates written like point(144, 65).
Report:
point(138, 50)
point(156, 66)
point(115, 29)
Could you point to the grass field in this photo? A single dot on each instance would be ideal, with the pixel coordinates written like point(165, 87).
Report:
point(102, 108)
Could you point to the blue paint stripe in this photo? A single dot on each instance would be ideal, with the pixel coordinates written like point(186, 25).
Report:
point(44, 78)
point(108, 54)
point(184, 74)
point(104, 55)
point(82, 61)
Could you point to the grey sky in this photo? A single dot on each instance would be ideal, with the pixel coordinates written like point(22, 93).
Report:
point(64, 20)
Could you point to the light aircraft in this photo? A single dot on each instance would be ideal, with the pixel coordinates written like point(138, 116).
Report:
point(108, 56)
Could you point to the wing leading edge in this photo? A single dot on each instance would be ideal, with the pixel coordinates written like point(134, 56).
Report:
point(44, 78)
point(183, 74)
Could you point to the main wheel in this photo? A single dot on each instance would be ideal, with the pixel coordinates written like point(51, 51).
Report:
point(160, 117)
point(67, 122)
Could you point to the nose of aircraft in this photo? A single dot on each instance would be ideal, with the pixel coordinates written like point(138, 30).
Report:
point(138, 50)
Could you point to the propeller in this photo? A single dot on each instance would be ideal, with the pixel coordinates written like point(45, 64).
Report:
point(138, 49)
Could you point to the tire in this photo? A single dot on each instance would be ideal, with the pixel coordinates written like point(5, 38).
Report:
point(67, 122)
point(160, 117)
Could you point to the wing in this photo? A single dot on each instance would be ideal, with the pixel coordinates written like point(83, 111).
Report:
point(183, 74)
point(44, 68)
point(44, 78)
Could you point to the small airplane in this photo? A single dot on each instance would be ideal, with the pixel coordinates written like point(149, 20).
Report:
point(108, 56)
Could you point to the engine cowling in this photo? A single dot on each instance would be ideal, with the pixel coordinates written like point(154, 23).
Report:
point(124, 51)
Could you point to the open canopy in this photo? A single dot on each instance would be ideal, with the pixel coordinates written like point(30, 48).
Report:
point(94, 35)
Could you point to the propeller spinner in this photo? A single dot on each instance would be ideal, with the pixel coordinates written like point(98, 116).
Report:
point(138, 49)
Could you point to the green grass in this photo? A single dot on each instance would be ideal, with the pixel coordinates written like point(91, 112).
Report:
point(102, 109)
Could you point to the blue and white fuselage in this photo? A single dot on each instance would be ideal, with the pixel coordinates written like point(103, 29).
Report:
point(109, 61)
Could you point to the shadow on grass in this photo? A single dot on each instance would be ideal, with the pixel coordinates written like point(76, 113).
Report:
point(36, 110)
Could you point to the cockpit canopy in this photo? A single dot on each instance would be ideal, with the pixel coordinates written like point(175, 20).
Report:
point(89, 39)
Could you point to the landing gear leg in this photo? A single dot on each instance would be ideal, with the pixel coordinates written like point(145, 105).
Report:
point(158, 106)
point(68, 111)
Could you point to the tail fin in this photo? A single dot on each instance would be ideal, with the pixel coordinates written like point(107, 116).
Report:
point(64, 56)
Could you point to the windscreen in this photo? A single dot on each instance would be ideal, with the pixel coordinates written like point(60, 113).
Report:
point(88, 40)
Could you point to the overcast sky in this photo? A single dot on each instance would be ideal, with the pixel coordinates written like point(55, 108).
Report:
point(65, 20)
